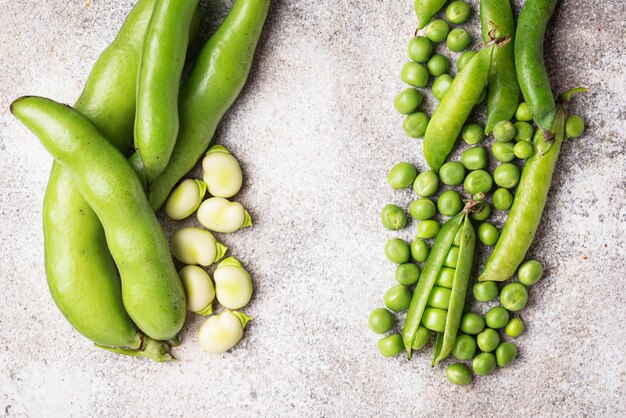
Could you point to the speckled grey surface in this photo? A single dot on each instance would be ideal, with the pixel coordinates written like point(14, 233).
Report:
point(316, 133)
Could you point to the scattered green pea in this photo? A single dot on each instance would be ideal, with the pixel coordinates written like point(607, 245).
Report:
point(458, 40)
point(530, 272)
point(488, 340)
point(422, 209)
point(505, 354)
point(419, 49)
point(478, 181)
point(397, 298)
point(523, 112)
point(428, 229)
point(458, 12)
point(450, 203)
point(497, 317)
point(381, 320)
point(485, 291)
point(441, 86)
point(393, 217)
point(401, 176)
point(523, 150)
point(445, 277)
point(415, 74)
point(488, 235)
point(437, 65)
point(515, 327)
point(464, 347)
point(459, 374)
point(397, 251)
point(434, 319)
point(473, 133)
point(415, 124)
point(502, 199)
point(484, 364)
point(524, 131)
point(407, 273)
point(506, 175)
point(391, 345)
point(574, 126)
point(504, 131)
point(474, 158)
point(514, 296)
point(452, 173)
point(503, 151)
point(407, 101)
point(472, 323)
point(419, 250)
point(426, 184)
point(437, 30)
point(464, 59)
point(481, 212)
point(421, 338)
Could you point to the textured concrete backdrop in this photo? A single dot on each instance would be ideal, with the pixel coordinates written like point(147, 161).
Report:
point(316, 133)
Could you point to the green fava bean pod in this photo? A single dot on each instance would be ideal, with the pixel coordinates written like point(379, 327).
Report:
point(529, 62)
point(453, 110)
point(426, 9)
point(162, 61)
point(152, 292)
point(217, 77)
point(496, 18)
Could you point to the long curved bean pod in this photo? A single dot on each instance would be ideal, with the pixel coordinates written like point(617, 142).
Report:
point(447, 121)
point(529, 61)
point(426, 9)
point(503, 91)
point(162, 60)
point(218, 76)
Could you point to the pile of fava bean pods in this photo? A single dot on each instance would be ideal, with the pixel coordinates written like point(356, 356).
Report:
point(120, 153)
point(507, 60)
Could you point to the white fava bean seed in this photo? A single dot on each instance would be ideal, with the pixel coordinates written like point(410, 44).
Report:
point(220, 215)
point(222, 173)
point(233, 287)
point(220, 333)
point(185, 199)
point(196, 246)
point(199, 289)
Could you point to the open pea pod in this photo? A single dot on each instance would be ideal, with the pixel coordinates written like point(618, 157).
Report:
point(433, 264)
point(445, 340)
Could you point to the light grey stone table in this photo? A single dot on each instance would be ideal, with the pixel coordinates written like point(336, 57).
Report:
point(316, 133)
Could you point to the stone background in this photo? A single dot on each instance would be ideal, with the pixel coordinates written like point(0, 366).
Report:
point(316, 133)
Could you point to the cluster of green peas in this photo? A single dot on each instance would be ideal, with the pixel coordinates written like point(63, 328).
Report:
point(195, 247)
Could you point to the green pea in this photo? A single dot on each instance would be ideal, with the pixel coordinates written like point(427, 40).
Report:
point(414, 74)
point(484, 364)
point(450, 203)
point(502, 199)
point(419, 49)
point(458, 237)
point(415, 124)
point(523, 112)
point(503, 151)
point(437, 65)
point(441, 86)
point(458, 39)
point(428, 229)
point(437, 30)
point(515, 327)
point(459, 374)
point(452, 257)
point(472, 323)
point(488, 235)
point(422, 209)
point(474, 158)
point(473, 133)
point(393, 217)
point(381, 320)
point(434, 319)
point(397, 298)
point(439, 297)
point(407, 273)
point(524, 131)
point(452, 173)
point(458, 12)
point(506, 175)
point(478, 181)
point(421, 338)
point(514, 296)
point(488, 340)
point(445, 277)
point(504, 131)
point(391, 345)
point(426, 184)
point(407, 101)
point(505, 354)
point(401, 176)
point(497, 317)
point(397, 251)
point(530, 272)
point(419, 250)
point(574, 126)
point(523, 150)
point(464, 347)
point(481, 212)
point(464, 59)
point(485, 291)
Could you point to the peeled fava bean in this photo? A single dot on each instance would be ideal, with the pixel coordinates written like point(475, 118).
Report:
point(198, 289)
point(222, 173)
point(233, 286)
point(220, 333)
point(221, 215)
point(185, 199)
point(196, 246)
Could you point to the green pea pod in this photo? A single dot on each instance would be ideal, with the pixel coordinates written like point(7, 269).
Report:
point(218, 76)
point(162, 61)
point(426, 9)
point(530, 199)
point(459, 291)
point(447, 121)
point(496, 19)
point(529, 62)
point(151, 290)
point(428, 277)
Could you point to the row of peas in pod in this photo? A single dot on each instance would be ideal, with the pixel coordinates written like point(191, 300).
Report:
point(433, 270)
point(197, 248)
